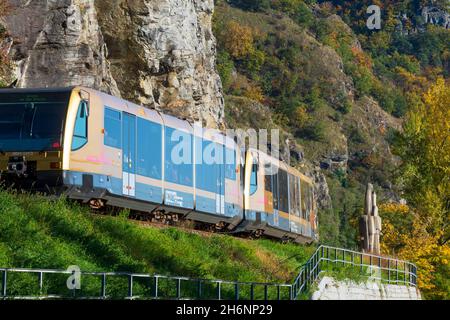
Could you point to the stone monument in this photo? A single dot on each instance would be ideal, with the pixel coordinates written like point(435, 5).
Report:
point(370, 223)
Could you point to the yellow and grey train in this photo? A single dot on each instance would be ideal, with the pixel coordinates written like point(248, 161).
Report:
point(105, 151)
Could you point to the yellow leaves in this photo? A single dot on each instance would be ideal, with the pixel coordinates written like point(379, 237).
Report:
point(410, 81)
point(427, 146)
point(414, 243)
point(254, 93)
point(394, 208)
point(300, 116)
point(238, 40)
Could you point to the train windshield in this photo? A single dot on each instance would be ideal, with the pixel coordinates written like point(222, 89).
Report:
point(32, 121)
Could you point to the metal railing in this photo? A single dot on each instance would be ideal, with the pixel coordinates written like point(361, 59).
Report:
point(365, 265)
point(51, 284)
point(20, 283)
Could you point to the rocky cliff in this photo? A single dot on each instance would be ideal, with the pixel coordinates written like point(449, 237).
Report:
point(160, 53)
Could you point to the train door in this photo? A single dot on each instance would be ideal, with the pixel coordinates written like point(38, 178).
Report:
point(129, 154)
point(220, 174)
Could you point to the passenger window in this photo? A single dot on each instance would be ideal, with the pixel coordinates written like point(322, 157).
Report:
point(254, 179)
point(113, 128)
point(149, 151)
point(230, 164)
point(275, 190)
point(80, 132)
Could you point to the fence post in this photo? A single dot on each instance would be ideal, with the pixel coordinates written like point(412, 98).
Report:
point(396, 269)
point(278, 292)
point(361, 261)
point(4, 280)
point(130, 285)
point(389, 270)
point(103, 289)
point(265, 292)
point(41, 275)
point(252, 296)
point(199, 292)
point(404, 270)
point(380, 268)
point(156, 287)
point(178, 288)
point(219, 296)
point(236, 291)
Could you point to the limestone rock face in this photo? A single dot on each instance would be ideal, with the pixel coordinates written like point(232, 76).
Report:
point(321, 190)
point(59, 43)
point(163, 54)
point(160, 53)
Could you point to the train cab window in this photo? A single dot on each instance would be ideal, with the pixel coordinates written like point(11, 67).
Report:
point(113, 128)
point(254, 179)
point(80, 132)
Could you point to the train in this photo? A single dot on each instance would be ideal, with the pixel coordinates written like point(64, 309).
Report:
point(108, 152)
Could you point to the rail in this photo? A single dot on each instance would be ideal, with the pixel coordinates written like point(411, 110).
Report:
point(21, 283)
point(377, 268)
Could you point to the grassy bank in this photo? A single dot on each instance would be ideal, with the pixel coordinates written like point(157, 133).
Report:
point(38, 233)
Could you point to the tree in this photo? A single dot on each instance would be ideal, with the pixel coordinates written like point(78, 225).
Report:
point(405, 237)
point(420, 232)
point(424, 148)
point(238, 40)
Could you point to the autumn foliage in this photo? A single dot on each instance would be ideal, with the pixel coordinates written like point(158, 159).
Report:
point(239, 40)
point(420, 232)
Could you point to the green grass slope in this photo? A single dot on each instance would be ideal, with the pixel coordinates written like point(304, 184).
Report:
point(38, 233)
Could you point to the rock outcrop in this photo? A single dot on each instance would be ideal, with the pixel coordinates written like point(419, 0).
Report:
point(163, 54)
point(435, 15)
point(59, 43)
point(160, 53)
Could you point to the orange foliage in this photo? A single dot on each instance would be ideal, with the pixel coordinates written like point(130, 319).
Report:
point(238, 40)
point(361, 57)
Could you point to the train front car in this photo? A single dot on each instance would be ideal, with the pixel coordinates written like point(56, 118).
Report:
point(279, 200)
point(32, 128)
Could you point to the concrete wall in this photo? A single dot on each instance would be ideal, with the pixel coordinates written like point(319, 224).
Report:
point(330, 289)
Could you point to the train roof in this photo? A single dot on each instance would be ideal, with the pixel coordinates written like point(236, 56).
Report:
point(214, 135)
point(169, 120)
point(269, 159)
point(37, 90)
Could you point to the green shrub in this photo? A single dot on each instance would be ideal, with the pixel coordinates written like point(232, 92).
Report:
point(254, 5)
point(314, 130)
point(225, 67)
